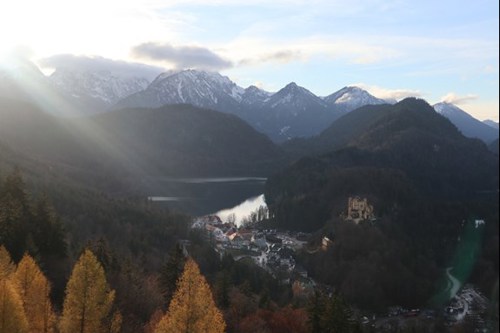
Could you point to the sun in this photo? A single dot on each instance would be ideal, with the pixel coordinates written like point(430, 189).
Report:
point(106, 28)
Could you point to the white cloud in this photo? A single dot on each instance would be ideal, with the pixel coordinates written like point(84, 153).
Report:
point(458, 100)
point(279, 57)
point(181, 57)
point(388, 94)
point(96, 63)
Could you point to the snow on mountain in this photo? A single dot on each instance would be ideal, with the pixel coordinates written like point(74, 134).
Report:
point(293, 108)
point(468, 125)
point(102, 86)
point(294, 98)
point(254, 96)
point(351, 98)
point(202, 89)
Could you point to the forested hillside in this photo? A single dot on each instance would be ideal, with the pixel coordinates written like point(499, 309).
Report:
point(425, 181)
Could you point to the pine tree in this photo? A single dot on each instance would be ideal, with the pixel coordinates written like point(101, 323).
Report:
point(170, 273)
point(336, 316)
point(34, 290)
point(15, 215)
point(88, 298)
point(15, 187)
point(12, 225)
point(192, 309)
point(47, 230)
point(316, 307)
point(12, 317)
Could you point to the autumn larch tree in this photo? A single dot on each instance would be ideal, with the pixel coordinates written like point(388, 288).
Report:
point(192, 309)
point(34, 290)
point(12, 316)
point(6, 265)
point(88, 298)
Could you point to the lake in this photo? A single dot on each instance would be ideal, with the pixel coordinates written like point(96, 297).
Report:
point(242, 210)
point(215, 195)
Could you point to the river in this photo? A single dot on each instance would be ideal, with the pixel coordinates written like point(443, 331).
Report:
point(453, 283)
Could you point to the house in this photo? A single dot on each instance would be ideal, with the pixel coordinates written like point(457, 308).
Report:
point(259, 241)
point(358, 209)
point(326, 242)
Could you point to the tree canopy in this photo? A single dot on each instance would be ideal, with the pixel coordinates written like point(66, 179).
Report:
point(192, 309)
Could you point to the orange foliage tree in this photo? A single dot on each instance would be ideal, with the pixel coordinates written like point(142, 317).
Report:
point(88, 300)
point(34, 289)
point(192, 309)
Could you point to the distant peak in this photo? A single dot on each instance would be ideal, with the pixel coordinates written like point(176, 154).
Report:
point(443, 107)
point(414, 103)
point(353, 88)
point(255, 90)
point(252, 88)
point(294, 87)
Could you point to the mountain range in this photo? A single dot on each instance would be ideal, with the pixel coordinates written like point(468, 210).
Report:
point(291, 112)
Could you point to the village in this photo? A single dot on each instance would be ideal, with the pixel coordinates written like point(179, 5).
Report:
point(270, 249)
point(274, 251)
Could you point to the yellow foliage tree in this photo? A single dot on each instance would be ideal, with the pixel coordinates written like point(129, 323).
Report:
point(12, 317)
point(88, 298)
point(6, 265)
point(192, 309)
point(34, 290)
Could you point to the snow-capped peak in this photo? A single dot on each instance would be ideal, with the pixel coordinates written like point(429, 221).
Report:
point(99, 85)
point(446, 109)
point(294, 97)
point(200, 88)
point(352, 94)
point(351, 97)
point(254, 96)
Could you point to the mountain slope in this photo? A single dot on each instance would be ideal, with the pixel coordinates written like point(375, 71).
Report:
point(468, 125)
point(491, 123)
point(493, 147)
point(182, 140)
point(338, 134)
point(291, 112)
point(117, 150)
point(66, 92)
point(427, 184)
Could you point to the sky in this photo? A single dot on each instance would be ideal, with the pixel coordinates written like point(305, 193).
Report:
point(437, 50)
